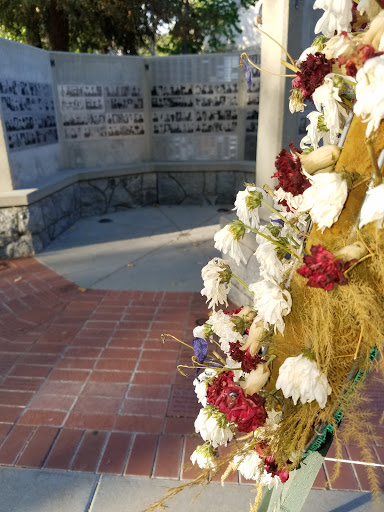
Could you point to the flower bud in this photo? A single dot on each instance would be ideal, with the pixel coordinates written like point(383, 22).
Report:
point(247, 313)
point(296, 101)
point(375, 31)
point(352, 252)
point(256, 379)
point(255, 337)
point(320, 159)
point(237, 229)
point(371, 10)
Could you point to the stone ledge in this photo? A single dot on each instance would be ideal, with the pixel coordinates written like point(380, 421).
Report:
point(25, 197)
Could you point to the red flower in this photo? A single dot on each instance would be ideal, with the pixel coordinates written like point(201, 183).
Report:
point(220, 385)
point(312, 73)
point(247, 412)
point(271, 467)
point(289, 172)
point(357, 60)
point(248, 362)
point(323, 270)
point(234, 311)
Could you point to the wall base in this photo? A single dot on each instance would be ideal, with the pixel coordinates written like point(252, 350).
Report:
point(35, 219)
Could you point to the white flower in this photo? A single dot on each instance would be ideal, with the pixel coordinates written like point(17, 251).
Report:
point(314, 135)
point(226, 243)
point(249, 465)
point(203, 457)
point(370, 93)
point(272, 303)
point(231, 364)
point(213, 427)
point(271, 268)
point(337, 46)
point(308, 51)
point(292, 201)
point(325, 199)
point(300, 378)
point(296, 101)
point(337, 16)
point(217, 282)
point(269, 480)
point(373, 207)
point(199, 332)
point(245, 214)
point(224, 328)
point(327, 100)
point(201, 385)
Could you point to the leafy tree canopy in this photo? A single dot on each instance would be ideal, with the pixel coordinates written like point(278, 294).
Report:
point(129, 26)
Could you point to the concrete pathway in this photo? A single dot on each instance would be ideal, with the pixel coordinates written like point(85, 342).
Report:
point(93, 414)
point(48, 491)
point(147, 248)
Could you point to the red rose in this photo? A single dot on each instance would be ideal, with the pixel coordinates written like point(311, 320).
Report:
point(247, 412)
point(220, 385)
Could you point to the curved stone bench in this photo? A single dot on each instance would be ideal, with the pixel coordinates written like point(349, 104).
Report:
point(31, 218)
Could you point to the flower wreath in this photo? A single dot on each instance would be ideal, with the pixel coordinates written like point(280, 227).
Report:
point(274, 376)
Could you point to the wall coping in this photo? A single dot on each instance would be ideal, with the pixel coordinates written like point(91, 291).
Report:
point(67, 177)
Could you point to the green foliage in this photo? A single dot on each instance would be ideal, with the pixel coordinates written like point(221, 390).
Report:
point(209, 25)
point(128, 26)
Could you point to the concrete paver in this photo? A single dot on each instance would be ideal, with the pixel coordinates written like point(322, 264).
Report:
point(29, 490)
point(58, 342)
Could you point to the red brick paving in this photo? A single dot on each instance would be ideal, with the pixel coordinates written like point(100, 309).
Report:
point(87, 385)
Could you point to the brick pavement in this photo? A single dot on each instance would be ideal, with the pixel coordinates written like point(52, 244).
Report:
point(87, 385)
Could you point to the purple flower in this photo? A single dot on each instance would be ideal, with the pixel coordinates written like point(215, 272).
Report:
point(247, 73)
point(200, 347)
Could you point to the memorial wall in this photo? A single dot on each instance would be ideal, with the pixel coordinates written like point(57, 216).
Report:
point(115, 110)
point(100, 110)
point(103, 110)
point(29, 147)
point(84, 134)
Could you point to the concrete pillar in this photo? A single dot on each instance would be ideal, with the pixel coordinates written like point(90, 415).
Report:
point(291, 23)
point(5, 172)
point(272, 89)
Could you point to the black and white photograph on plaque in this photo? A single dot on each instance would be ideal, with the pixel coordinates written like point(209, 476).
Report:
point(28, 114)
point(216, 127)
point(172, 90)
point(253, 99)
point(94, 103)
point(216, 101)
point(251, 127)
point(105, 111)
point(120, 103)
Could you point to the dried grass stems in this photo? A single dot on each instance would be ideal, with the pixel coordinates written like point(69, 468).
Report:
point(341, 327)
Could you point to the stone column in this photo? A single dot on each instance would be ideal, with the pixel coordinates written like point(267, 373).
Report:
point(5, 172)
point(272, 88)
point(291, 23)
